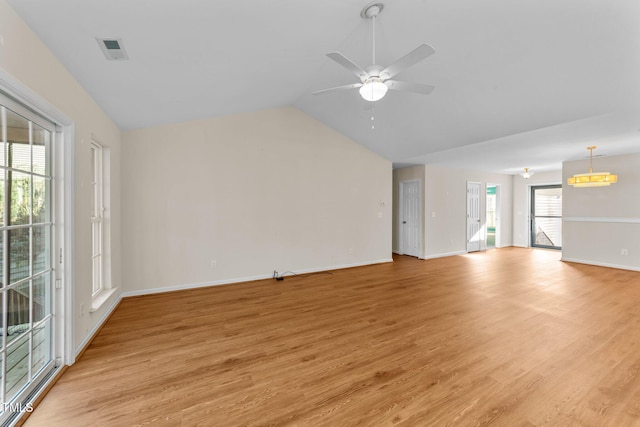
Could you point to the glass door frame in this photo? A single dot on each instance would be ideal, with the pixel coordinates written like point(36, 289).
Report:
point(533, 216)
point(35, 372)
point(63, 170)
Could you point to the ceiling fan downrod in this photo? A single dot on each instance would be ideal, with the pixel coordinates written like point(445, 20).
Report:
point(371, 12)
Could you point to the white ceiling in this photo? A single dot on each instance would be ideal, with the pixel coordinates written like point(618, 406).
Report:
point(518, 83)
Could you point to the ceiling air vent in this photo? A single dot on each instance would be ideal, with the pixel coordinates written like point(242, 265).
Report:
point(113, 49)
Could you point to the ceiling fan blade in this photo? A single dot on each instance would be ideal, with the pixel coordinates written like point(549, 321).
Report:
point(349, 65)
point(409, 87)
point(411, 58)
point(336, 89)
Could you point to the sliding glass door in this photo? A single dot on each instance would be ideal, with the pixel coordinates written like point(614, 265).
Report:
point(546, 216)
point(26, 226)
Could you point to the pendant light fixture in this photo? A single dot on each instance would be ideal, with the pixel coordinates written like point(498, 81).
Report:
point(592, 179)
point(526, 174)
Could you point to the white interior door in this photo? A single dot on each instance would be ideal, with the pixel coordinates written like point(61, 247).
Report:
point(473, 216)
point(410, 218)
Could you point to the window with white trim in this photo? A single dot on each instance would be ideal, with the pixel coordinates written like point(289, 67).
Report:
point(97, 218)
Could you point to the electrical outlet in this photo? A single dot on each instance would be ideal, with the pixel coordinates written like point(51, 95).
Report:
point(214, 263)
point(624, 251)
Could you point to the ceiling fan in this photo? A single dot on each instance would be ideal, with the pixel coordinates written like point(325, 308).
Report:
point(375, 80)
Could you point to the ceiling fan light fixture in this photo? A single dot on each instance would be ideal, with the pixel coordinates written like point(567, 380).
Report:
point(373, 89)
point(375, 80)
point(592, 179)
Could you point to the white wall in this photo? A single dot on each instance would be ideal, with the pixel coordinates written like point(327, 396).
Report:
point(521, 202)
point(24, 57)
point(446, 206)
point(254, 192)
point(399, 175)
point(601, 221)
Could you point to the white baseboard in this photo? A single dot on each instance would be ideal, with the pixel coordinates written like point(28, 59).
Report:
point(445, 254)
point(601, 264)
point(193, 285)
point(245, 279)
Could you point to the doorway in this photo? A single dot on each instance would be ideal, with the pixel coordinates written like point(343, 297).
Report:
point(492, 216)
point(410, 218)
point(546, 216)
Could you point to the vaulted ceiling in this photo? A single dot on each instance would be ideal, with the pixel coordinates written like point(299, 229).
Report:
point(518, 83)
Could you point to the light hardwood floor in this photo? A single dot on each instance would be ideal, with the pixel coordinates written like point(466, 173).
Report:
point(510, 337)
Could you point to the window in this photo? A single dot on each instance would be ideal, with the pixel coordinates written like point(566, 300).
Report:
point(97, 218)
point(101, 289)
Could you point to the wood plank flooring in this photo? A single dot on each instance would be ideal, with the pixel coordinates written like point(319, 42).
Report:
point(510, 337)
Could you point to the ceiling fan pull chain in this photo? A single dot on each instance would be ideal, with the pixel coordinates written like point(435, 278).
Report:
point(373, 111)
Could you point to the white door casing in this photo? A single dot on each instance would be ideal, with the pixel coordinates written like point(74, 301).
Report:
point(497, 214)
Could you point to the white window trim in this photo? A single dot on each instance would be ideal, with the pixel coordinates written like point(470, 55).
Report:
point(104, 294)
point(97, 221)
